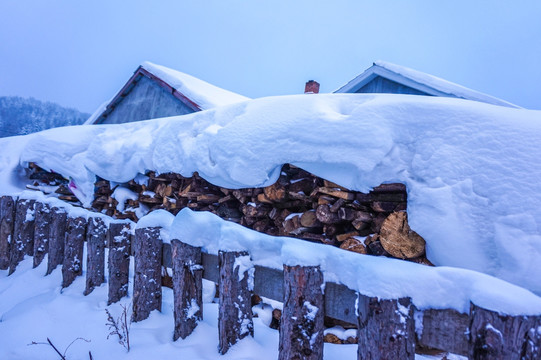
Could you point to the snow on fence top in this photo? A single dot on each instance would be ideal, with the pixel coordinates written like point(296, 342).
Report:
point(471, 169)
point(385, 278)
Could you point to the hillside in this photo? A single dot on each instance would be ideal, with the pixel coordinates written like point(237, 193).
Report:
point(21, 116)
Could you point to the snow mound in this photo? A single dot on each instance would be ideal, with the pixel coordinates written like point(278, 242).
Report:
point(471, 169)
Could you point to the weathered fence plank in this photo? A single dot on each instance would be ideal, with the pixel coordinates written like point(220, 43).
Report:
point(57, 236)
point(386, 329)
point(301, 326)
point(187, 288)
point(235, 292)
point(147, 284)
point(96, 235)
point(41, 232)
point(7, 218)
point(504, 337)
point(72, 266)
point(443, 329)
point(118, 240)
point(23, 233)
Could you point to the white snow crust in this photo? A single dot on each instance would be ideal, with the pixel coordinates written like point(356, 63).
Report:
point(471, 169)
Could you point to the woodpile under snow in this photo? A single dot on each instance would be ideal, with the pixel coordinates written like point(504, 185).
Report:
point(298, 205)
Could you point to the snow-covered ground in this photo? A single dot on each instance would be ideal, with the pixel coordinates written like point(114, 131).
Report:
point(34, 308)
point(471, 169)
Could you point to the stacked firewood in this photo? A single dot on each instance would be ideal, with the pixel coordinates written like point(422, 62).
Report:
point(298, 205)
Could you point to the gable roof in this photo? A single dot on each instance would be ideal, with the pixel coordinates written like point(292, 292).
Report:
point(420, 81)
point(196, 94)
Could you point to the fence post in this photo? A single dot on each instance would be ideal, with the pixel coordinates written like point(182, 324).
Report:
point(57, 235)
point(147, 284)
point(386, 329)
point(41, 232)
point(7, 218)
point(95, 253)
point(301, 326)
point(187, 287)
point(23, 233)
point(496, 336)
point(235, 292)
point(72, 265)
point(119, 239)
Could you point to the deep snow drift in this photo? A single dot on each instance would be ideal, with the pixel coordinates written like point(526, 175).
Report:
point(471, 169)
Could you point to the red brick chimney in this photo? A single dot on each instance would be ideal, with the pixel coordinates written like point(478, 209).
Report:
point(311, 87)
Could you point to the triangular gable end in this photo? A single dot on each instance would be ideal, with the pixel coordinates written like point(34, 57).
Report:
point(152, 89)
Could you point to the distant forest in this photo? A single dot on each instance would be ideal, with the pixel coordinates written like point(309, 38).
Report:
point(20, 116)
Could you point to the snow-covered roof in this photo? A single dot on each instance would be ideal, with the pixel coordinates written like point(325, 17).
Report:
point(205, 95)
point(421, 81)
point(195, 93)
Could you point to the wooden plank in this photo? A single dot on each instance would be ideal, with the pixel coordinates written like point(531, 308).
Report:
point(187, 288)
point(147, 283)
point(443, 329)
point(386, 329)
point(41, 232)
point(340, 302)
point(95, 253)
point(118, 239)
point(23, 233)
point(269, 283)
point(7, 219)
point(301, 325)
point(235, 294)
point(57, 234)
point(72, 265)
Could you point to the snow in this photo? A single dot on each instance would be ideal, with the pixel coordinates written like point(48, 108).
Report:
point(311, 311)
point(470, 168)
point(245, 268)
point(205, 95)
point(386, 278)
point(122, 194)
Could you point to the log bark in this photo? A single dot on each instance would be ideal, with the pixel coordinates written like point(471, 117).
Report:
point(72, 265)
point(57, 234)
point(235, 291)
point(301, 326)
point(386, 329)
point(7, 219)
point(95, 253)
point(496, 336)
point(23, 233)
point(118, 239)
point(187, 288)
point(147, 285)
point(41, 232)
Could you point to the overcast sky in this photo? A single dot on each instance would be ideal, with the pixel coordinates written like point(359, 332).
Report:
point(79, 54)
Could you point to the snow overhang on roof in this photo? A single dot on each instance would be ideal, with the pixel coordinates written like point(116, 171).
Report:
point(418, 80)
point(196, 94)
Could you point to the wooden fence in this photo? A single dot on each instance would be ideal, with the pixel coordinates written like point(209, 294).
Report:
point(387, 328)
